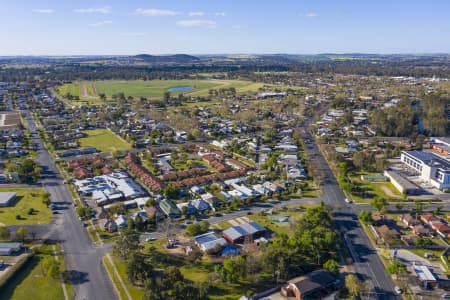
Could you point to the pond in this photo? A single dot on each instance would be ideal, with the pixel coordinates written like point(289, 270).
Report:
point(181, 88)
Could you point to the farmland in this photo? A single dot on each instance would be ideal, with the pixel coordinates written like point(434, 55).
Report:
point(89, 91)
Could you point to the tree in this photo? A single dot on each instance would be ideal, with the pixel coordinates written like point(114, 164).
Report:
point(396, 268)
point(419, 207)
point(379, 204)
point(5, 233)
point(332, 266)
point(84, 211)
point(46, 198)
point(127, 243)
point(353, 285)
point(234, 269)
point(171, 191)
point(150, 202)
point(22, 233)
point(365, 217)
point(138, 269)
point(399, 206)
point(197, 228)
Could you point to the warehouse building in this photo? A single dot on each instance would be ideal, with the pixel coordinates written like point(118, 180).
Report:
point(238, 234)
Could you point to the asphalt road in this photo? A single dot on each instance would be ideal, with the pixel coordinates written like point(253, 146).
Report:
point(366, 261)
point(86, 271)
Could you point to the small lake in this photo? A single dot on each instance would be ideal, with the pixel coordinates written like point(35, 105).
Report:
point(182, 88)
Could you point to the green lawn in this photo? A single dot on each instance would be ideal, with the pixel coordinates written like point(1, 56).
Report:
point(104, 140)
point(32, 281)
point(88, 91)
point(26, 199)
point(371, 190)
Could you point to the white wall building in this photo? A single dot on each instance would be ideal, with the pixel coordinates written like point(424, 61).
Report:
point(430, 167)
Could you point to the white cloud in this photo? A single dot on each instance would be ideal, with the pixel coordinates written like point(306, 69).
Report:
point(133, 33)
point(220, 14)
point(197, 23)
point(311, 15)
point(201, 13)
point(196, 14)
point(43, 11)
point(94, 10)
point(101, 23)
point(153, 12)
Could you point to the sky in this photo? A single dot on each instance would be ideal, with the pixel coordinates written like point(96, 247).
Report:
point(127, 27)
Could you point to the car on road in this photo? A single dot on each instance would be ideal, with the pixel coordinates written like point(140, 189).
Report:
point(218, 215)
point(150, 238)
point(446, 296)
point(348, 200)
point(398, 290)
point(55, 212)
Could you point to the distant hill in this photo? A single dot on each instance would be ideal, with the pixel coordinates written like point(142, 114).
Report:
point(177, 58)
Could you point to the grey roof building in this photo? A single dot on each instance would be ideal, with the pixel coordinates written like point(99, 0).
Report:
point(237, 234)
point(6, 198)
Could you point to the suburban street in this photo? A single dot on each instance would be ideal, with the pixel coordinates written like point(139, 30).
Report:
point(84, 259)
point(366, 261)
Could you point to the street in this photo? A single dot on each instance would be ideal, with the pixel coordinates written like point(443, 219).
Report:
point(84, 260)
point(366, 261)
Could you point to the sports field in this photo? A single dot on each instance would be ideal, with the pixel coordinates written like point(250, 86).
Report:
point(89, 91)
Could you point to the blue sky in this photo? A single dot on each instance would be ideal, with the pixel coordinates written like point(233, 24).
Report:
point(59, 27)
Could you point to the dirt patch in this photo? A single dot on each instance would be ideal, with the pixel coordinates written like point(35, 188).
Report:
point(84, 91)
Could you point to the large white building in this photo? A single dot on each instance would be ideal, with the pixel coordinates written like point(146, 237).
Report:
point(430, 167)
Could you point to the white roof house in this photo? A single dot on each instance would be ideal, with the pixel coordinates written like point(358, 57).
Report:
point(109, 187)
point(209, 241)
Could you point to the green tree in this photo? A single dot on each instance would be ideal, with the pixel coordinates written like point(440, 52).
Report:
point(396, 268)
point(137, 268)
point(127, 243)
point(22, 233)
point(379, 204)
point(234, 269)
point(332, 266)
point(5, 233)
point(171, 191)
point(354, 285)
point(365, 217)
point(419, 208)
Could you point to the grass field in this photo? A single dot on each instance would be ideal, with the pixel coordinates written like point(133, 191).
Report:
point(32, 282)
point(374, 189)
point(104, 140)
point(26, 199)
point(88, 91)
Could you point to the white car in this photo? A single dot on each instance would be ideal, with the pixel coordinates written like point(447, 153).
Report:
point(398, 290)
point(149, 239)
point(348, 200)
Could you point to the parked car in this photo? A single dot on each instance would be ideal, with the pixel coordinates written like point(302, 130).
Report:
point(446, 295)
point(348, 200)
point(398, 290)
point(149, 239)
